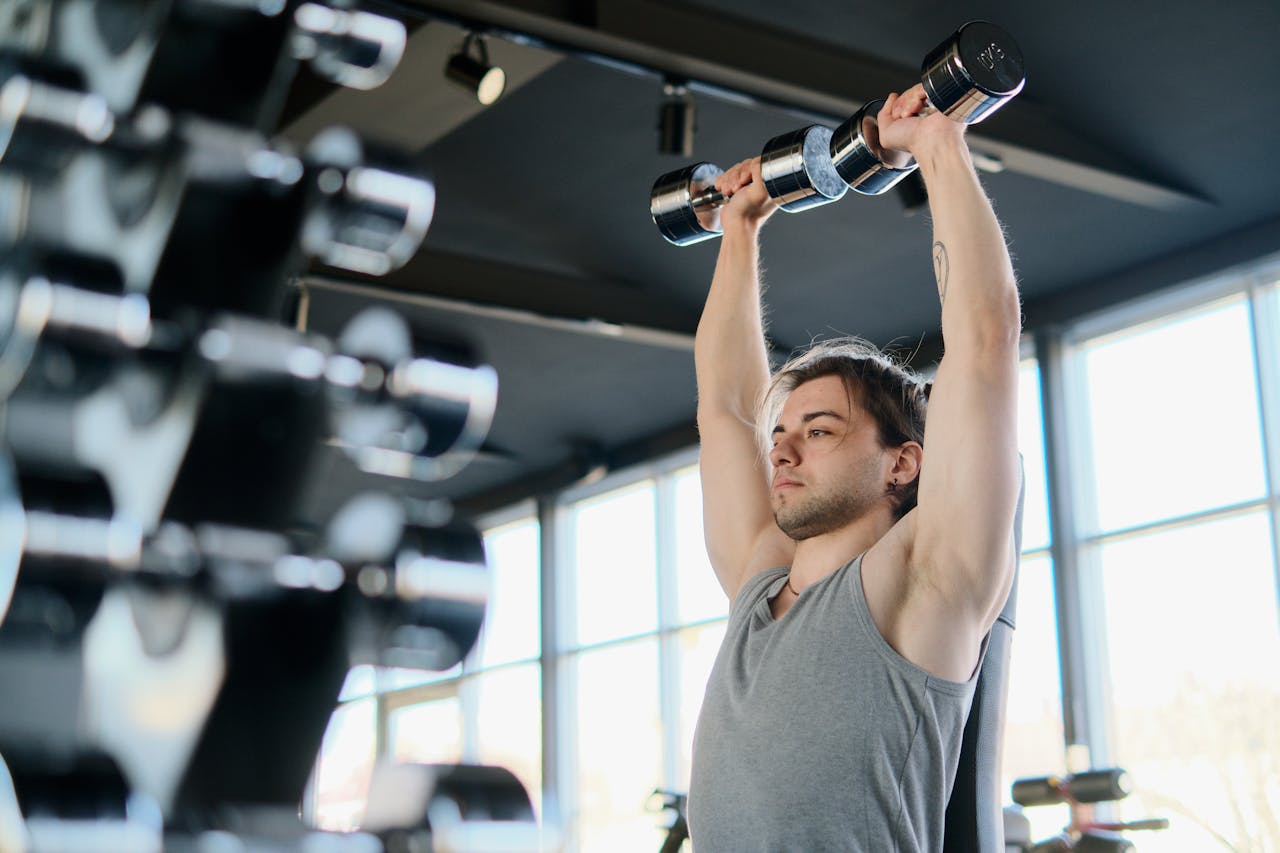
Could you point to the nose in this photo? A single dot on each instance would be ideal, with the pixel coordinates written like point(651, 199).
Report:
point(783, 452)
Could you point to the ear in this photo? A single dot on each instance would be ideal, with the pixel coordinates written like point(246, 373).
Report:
point(906, 462)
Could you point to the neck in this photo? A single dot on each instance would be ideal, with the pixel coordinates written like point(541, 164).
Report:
point(819, 556)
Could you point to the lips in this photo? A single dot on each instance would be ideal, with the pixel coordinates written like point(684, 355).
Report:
point(784, 483)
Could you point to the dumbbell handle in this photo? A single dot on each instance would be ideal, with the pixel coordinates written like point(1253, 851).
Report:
point(710, 197)
point(41, 306)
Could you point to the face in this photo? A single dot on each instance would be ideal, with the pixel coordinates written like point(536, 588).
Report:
point(827, 461)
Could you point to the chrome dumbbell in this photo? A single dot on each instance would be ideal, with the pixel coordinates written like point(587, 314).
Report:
point(371, 213)
point(395, 410)
point(977, 70)
point(122, 51)
point(797, 171)
point(421, 579)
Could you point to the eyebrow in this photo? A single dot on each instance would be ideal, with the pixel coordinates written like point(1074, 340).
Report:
point(813, 416)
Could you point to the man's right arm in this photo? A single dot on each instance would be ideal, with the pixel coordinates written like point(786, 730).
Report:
point(732, 370)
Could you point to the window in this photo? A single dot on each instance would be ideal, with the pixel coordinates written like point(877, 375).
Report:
point(618, 729)
point(615, 587)
point(1166, 402)
point(487, 710)
point(1194, 680)
point(646, 620)
point(1179, 569)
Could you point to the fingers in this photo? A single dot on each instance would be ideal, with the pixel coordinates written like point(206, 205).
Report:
point(738, 176)
point(908, 104)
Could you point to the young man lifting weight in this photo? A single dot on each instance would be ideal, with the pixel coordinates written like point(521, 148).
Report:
point(863, 582)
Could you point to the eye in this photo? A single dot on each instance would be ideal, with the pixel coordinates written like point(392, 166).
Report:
point(815, 432)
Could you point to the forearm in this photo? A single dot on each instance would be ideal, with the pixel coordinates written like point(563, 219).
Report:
point(729, 351)
point(971, 262)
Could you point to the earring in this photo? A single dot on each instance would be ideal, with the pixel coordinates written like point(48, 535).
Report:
point(894, 485)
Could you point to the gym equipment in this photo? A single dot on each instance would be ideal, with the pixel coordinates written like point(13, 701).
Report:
point(139, 191)
point(977, 70)
point(250, 604)
point(160, 50)
point(678, 832)
point(452, 807)
point(1081, 791)
point(176, 619)
point(968, 77)
point(1094, 786)
point(796, 168)
point(154, 427)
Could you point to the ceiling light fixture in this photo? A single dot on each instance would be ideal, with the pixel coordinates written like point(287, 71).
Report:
point(474, 73)
point(676, 119)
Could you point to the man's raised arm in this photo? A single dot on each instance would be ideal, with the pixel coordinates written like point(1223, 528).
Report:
point(733, 370)
point(963, 546)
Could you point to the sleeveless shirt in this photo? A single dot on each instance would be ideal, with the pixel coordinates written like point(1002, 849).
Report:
point(815, 735)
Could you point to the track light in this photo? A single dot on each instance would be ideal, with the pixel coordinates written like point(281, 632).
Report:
point(676, 119)
point(474, 73)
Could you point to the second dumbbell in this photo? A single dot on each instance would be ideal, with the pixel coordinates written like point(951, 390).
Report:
point(797, 172)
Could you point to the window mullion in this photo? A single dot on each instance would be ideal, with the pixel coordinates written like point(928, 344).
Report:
point(1264, 312)
point(668, 619)
point(557, 744)
point(1082, 705)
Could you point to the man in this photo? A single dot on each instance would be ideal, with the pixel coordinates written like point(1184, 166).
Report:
point(863, 581)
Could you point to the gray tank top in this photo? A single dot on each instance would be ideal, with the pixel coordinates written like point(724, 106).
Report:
point(815, 735)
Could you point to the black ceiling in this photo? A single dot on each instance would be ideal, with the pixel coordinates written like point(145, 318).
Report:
point(1140, 154)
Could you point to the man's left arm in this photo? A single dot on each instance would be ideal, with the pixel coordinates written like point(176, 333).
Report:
point(962, 546)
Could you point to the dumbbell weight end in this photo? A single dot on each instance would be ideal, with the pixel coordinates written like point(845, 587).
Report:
point(967, 77)
point(797, 172)
point(685, 204)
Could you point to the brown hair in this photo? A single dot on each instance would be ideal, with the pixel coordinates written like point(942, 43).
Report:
point(894, 395)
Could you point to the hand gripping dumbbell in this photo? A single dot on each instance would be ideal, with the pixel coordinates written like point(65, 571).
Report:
point(967, 78)
point(797, 172)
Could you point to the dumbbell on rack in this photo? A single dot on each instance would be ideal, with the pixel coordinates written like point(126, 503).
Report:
point(969, 76)
point(159, 51)
point(164, 400)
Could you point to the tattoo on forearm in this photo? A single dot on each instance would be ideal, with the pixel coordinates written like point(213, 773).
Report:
point(941, 269)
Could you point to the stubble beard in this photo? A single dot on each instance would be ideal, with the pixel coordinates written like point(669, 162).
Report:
point(826, 510)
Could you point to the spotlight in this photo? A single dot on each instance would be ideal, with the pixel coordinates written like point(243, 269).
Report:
point(676, 119)
point(474, 73)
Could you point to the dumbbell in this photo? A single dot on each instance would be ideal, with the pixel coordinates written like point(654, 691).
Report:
point(130, 53)
point(797, 172)
point(1093, 786)
point(422, 580)
point(967, 78)
point(33, 307)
